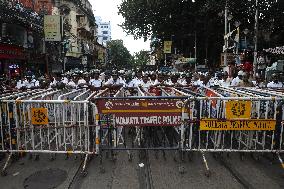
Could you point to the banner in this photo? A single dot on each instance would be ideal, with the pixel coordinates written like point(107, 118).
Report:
point(11, 52)
point(143, 112)
point(167, 47)
point(237, 125)
point(52, 29)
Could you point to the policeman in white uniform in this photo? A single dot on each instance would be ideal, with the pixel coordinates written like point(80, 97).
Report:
point(96, 81)
point(146, 83)
point(71, 83)
point(20, 83)
point(114, 81)
point(237, 80)
point(138, 79)
point(64, 80)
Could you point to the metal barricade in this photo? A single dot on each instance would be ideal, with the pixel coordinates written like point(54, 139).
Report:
point(37, 122)
point(246, 120)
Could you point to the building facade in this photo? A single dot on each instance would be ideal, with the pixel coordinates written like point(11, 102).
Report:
point(22, 40)
point(79, 30)
point(22, 48)
point(104, 31)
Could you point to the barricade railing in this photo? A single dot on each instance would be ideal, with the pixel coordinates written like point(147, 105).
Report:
point(37, 122)
point(212, 113)
point(89, 122)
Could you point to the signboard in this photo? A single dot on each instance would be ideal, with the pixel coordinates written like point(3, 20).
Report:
point(39, 116)
point(43, 6)
point(237, 125)
point(27, 3)
point(238, 109)
point(52, 29)
point(11, 52)
point(143, 112)
point(167, 47)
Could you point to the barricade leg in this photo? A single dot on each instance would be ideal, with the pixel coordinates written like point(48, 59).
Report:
point(84, 172)
point(207, 171)
point(4, 170)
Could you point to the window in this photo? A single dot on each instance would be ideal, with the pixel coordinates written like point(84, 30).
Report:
point(106, 26)
point(105, 32)
point(104, 38)
point(102, 26)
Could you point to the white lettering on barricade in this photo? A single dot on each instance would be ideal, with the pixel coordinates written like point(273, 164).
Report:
point(148, 121)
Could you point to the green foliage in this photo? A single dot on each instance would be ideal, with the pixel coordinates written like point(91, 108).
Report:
point(180, 19)
point(140, 59)
point(119, 56)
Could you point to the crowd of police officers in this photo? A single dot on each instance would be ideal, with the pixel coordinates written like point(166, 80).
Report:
point(97, 79)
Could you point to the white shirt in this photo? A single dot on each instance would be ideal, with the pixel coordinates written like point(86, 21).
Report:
point(137, 82)
point(198, 83)
point(112, 82)
point(65, 80)
point(81, 81)
point(169, 82)
point(212, 81)
point(130, 84)
point(32, 83)
point(156, 82)
point(20, 84)
point(236, 81)
point(223, 83)
point(182, 82)
point(71, 83)
point(272, 84)
point(54, 82)
point(96, 82)
point(146, 85)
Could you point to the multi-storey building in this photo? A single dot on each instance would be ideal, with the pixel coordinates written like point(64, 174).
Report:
point(104, 31)
point(79, 32)
point(22, 43)
point(21, 36)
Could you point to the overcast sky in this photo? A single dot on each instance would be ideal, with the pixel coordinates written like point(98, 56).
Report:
point(107, 9)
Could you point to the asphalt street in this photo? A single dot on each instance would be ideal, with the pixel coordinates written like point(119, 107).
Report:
point(156, 171)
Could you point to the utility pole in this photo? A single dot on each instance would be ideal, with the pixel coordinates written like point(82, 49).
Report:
point(226, 31)
point(255, 38)
point(195, 50)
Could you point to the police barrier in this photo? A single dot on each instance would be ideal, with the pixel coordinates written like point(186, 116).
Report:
point(226, 120)
point(46, 122)
point(87, 122)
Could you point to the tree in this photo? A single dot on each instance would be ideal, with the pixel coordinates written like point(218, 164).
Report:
point(119, 56)
point(141, 59)
point(179, 20)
